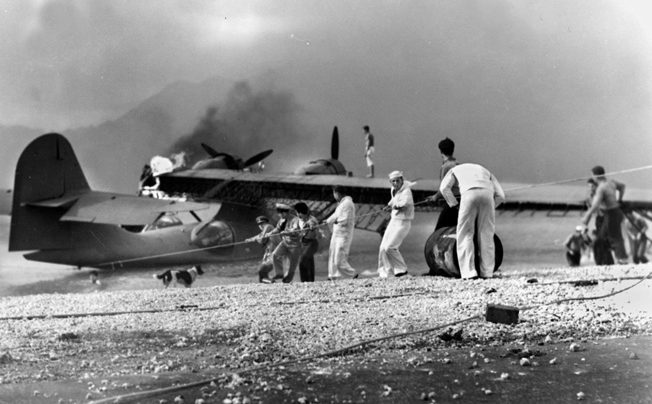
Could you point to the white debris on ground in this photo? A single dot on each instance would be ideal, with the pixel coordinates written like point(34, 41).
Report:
point(237, 326)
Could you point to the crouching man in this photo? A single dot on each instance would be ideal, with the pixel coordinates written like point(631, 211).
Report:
point(290, 247)
point(270, 242)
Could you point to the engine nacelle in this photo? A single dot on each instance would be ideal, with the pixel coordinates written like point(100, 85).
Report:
point(212, 233)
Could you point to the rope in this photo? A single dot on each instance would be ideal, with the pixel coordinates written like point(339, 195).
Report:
point(196, 308)
point(372, 212)
point(545, 184)
point(155, 392)
point(229, 245)
point(624, 278)
point(570, 299)
point(209, 308)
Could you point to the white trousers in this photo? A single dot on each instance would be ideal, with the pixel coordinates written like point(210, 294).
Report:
point(338, 257)
point(389, 257)
point(477, 214)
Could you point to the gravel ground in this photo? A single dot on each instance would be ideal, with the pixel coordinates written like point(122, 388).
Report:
point(227, 328)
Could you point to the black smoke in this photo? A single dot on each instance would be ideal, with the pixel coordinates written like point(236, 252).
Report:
point(246, 123)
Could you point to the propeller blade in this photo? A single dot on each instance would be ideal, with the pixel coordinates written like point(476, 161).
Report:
point(211, 152)
point(258, 157)
point(335, 144)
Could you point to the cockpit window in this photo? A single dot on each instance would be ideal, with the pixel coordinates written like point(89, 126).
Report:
point(166, 220)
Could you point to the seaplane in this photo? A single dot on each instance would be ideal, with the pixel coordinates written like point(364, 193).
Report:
point(208, 214)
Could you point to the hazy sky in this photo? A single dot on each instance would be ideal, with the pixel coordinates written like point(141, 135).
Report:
point(539, 83)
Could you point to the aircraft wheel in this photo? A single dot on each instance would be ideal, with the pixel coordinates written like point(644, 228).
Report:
point(440, 252)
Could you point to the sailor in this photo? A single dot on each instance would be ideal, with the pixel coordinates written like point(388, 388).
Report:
point(269, 242)
point(601, 250)
point(390, 259)
point(148, 183)
point(290, 246)
point(575, 244)
point(608, 198)
point(343, 221)
point(310, 241)
point(636, 227)
point(448, 215)
point(480, 193)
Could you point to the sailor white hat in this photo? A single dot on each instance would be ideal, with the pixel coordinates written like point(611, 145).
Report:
point(395, 174)
point(282, 206)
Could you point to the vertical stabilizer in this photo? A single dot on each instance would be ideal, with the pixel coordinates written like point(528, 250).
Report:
point(47, 169)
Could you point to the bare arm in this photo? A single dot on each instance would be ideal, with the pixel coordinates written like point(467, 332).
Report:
point(595, 204)
point(620, 187)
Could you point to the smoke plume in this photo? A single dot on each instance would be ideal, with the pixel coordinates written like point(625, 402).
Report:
point(249, 121)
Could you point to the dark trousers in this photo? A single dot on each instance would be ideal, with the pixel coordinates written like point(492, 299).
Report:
point(602, 252)
point(638, 247)
point(611, 231)
point(448, 216)
point(573, 258)
point(307, 263)
point(282, 251)
point(264, 270)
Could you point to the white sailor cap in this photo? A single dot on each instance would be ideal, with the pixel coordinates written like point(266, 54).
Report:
point(282, 207)
point(395, 174)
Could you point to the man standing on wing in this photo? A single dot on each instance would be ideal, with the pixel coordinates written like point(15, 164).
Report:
point(369, 150)
point(480, 194)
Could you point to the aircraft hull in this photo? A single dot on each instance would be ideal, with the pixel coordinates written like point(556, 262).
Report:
point(107, 247)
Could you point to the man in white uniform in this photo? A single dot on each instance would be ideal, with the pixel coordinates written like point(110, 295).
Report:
point(480, 194)
point(390, 259)
point(343, 221)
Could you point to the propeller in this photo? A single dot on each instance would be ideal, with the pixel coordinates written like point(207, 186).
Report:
point(335, 144)
point(258, 157)
point(235, 163)
point(211, 152)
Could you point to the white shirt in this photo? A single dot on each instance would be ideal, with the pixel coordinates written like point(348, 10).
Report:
point(402, 199)
point(343, 219)
point(469, 176)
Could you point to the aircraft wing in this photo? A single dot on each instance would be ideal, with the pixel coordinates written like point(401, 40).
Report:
point(368, 194)
point(248, 187)
point(111, 208)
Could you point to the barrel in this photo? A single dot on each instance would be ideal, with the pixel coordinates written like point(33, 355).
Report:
point(441, 252)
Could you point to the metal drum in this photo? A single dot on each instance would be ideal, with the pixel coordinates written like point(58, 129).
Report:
point(441, 252)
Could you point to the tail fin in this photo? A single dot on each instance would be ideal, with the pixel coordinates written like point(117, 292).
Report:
point(47, 169)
